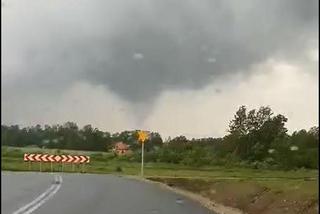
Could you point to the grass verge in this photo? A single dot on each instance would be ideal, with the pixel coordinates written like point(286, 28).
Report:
point(253, 196)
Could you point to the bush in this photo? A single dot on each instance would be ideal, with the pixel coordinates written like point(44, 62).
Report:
point(4, 151)
point(101, 157)
point(124, 157)
point(150, 157)
point(118, 169)
point(244, 164)
point(97, 157)
point(16, 153)
point(260, 165)
point(188, 161)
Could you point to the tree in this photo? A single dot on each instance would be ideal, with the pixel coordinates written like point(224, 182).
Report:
point(314, 131)
point(179, 139)
point(154, 142)
point(237, 126)
point(254, 132)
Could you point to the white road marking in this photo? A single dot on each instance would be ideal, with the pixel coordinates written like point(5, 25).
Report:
point(41, 199)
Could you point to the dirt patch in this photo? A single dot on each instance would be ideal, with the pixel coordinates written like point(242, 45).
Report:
point(246, 195)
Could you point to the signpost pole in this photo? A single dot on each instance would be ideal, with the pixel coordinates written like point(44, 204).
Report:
point(51, 166)
point(142, 136)
point(29, 165)
point(142, 151)
point(40, 167)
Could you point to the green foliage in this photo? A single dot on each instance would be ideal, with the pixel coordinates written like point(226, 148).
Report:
point(118, 169)
point(14, 153)
point(69, 136)
point(257, 139)
point(99, 157)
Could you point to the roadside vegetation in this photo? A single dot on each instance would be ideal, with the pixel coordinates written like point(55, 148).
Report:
point(256, 139)
point(253, 196)
point(257, 167)
point(102, 162)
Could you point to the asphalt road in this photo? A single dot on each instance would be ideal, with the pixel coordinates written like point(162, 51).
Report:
point(45, 193)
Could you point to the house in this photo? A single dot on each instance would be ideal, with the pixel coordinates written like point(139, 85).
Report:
point(121, 148)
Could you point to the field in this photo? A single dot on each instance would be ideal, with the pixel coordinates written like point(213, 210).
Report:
point(252, 190)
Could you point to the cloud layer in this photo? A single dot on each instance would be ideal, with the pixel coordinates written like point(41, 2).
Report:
point(132, 55)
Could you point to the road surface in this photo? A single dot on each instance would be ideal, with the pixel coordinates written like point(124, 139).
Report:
point(45, 193)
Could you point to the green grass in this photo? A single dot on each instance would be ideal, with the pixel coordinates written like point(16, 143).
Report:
point(103, 162)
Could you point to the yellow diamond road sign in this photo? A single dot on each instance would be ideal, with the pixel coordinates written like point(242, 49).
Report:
point(142, 136)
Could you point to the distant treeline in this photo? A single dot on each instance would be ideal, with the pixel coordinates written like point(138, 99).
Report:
point(256, 138)
point(70, 136)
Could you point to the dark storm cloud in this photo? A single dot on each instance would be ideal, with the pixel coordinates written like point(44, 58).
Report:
point(186, 47)
point(161, 45)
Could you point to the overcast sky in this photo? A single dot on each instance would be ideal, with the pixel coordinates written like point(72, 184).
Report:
point(172, 66)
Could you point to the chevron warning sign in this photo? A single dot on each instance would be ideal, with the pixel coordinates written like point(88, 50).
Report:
point(56, 158)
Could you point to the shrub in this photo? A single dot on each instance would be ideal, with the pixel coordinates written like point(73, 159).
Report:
point(118, 169)
point(150, 156)
point(187, 161)
point(16, 153)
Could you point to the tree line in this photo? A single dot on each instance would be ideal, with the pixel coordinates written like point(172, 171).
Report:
point(257, 138)
point(70, 136)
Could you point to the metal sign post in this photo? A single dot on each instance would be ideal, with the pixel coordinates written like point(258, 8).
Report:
point(142, 151)
point(142, 136)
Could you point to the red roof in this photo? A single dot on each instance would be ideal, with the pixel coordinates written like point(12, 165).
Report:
point(121, 146)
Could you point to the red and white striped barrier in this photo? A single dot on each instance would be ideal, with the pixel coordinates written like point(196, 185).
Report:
point(56, 158)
